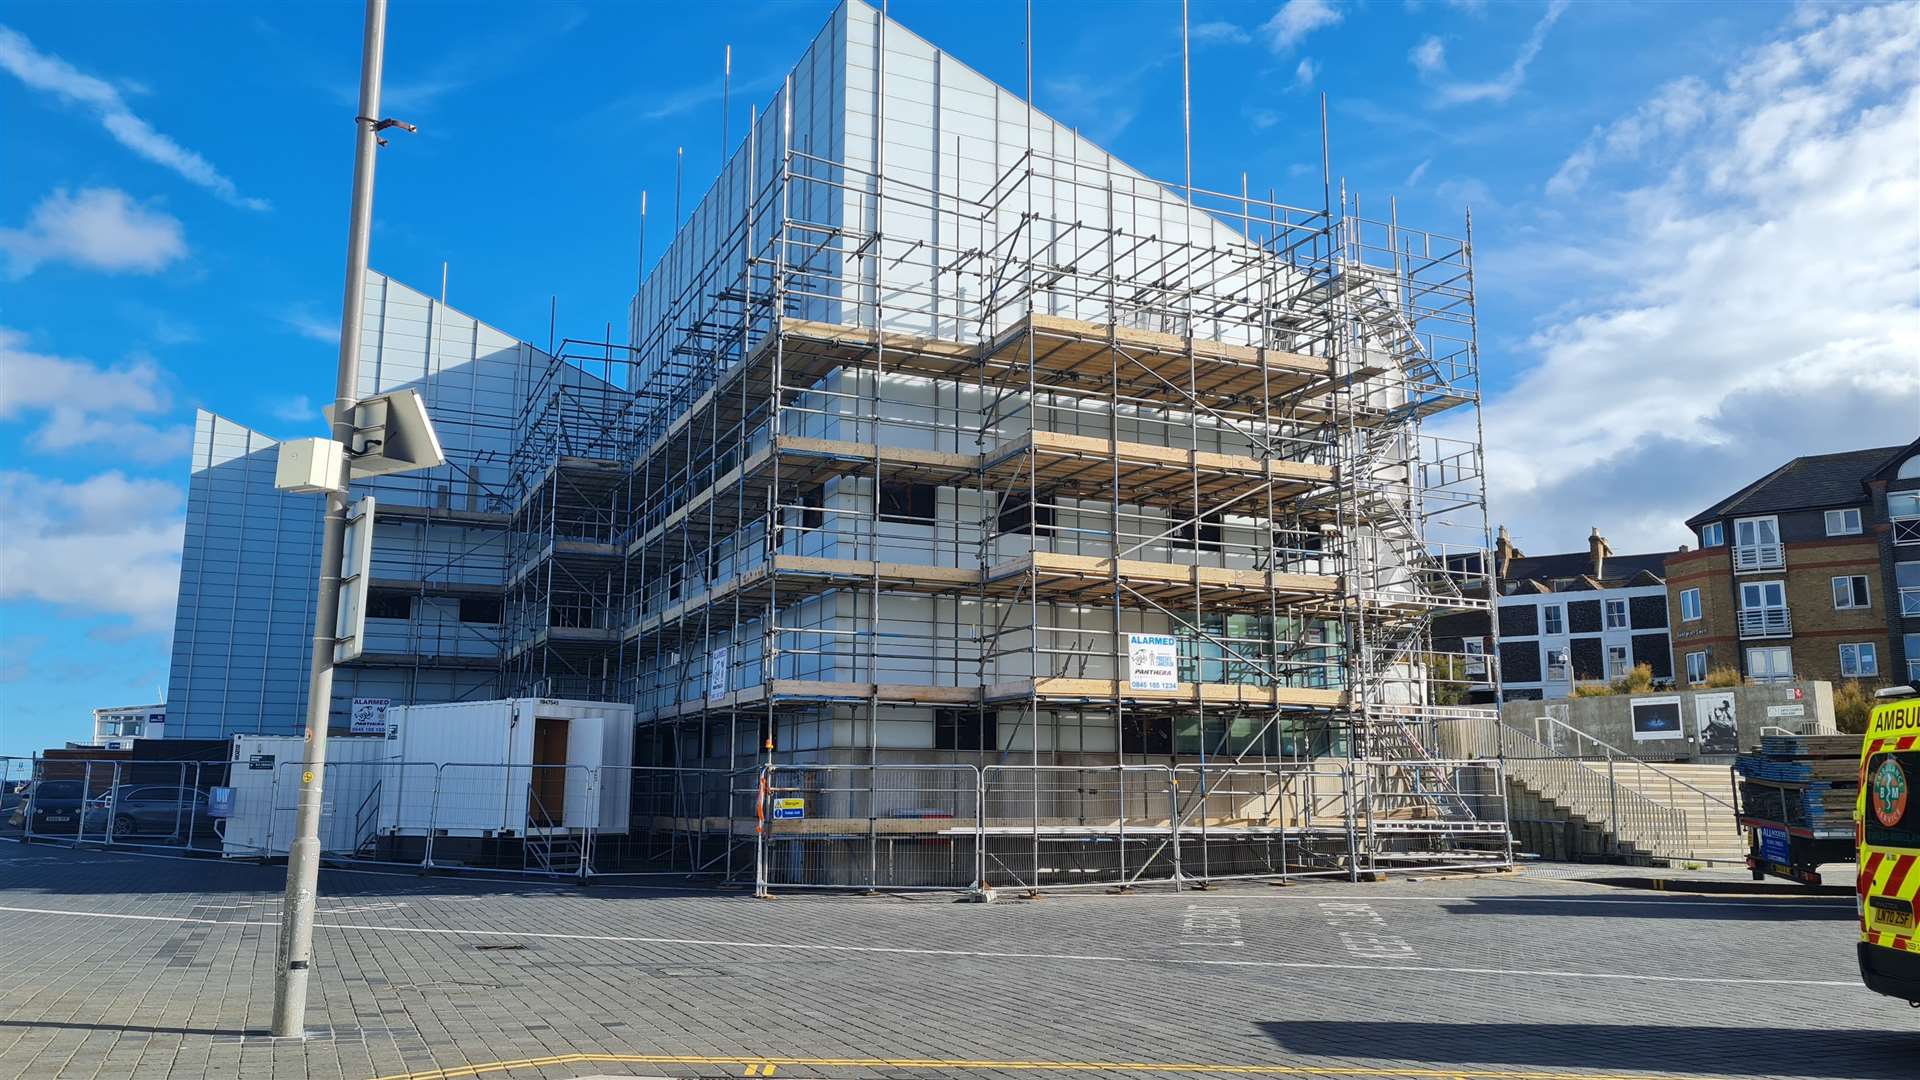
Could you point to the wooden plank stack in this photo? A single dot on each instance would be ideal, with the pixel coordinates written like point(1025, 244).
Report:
point(1805, 781)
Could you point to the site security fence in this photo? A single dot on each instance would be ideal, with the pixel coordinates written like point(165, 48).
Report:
point(783, 826)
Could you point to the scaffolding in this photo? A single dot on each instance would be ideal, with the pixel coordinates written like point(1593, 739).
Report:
point(858, 497)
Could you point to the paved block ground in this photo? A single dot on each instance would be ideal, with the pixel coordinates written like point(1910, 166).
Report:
point(118, 965)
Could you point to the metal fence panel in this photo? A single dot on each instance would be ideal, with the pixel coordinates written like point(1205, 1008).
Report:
point(679, 823)
point(870, 827)
point(529, 819)
point(1280, 820)
point(1070, 826)
point(1434, 814)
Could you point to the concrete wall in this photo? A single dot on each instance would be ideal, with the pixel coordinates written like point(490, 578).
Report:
point(1610, 719)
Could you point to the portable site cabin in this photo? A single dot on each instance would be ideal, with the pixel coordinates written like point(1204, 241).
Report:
point(264, 772)
point(511, 767)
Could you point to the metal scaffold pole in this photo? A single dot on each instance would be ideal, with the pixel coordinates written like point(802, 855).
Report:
point(294, 958)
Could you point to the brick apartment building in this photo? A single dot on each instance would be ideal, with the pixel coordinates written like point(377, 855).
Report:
point(1565, 619)
point(1811, 572)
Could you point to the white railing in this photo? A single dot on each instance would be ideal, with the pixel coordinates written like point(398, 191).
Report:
point(1759, 557)
point(1906, 530)
point(1765, 622)
point(1910, 601)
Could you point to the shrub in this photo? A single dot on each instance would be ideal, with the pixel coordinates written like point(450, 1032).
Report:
point(1637, 681)
point(1446, 679)
point(1722, 677)
point(1852, 706)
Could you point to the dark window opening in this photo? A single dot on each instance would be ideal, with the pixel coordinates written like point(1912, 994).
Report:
point(480, 609)
point(911, 503)
point(389, 604)
point(1146, 735)
point(1199, 535)
point(965, 729)
point(1020, 514)
point(812, 502)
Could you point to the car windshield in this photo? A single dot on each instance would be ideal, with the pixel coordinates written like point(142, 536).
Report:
point(58, 789)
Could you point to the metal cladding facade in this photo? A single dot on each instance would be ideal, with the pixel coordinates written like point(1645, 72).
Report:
point(243, 626)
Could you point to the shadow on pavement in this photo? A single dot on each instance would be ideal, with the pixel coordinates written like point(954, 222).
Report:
point(65, 869)
point(71, 1026)
point(1709, 1051)
point(1663, 906)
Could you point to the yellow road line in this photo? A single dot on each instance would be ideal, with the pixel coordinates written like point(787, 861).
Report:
point(764, 1066)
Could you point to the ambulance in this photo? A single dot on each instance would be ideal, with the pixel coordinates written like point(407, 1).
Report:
point(1887, 826)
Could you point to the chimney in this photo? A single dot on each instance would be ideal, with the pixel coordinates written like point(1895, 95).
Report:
point(1503, 554)
point(1598, 550)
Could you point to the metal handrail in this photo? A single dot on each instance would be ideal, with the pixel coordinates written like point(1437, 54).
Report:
point(1616, 752)
point(363, 814)
point(1657, 829)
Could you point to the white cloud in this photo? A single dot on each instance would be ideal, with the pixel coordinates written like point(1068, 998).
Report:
point(1752, 301)
point(294, 410)
point(303, 322)
point(1675, 110)
point(1430, 56)
point(1471, 7)
point(1218, 33)
point(82, 404)
point(1295, 19)
point(100, 229)
point(1419, 171)
point(1099, 106)
point(1304, 73)
point(40, 71)
point(1507, 83)
point(107, 545)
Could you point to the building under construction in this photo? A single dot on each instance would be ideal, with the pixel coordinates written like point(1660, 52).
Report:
point(968, 507)
point(944, 437)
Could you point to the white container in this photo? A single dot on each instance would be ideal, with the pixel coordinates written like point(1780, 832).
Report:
point(265, 777)
point(487, 784)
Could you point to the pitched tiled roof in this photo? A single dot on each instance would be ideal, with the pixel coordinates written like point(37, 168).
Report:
point(1805, 483)
point(1577, 564)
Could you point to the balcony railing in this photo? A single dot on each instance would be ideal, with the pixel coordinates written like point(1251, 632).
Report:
point(1765, 622)
point(1759, 557)
point(1906, 531)
point(1913, 670)
point(1910, 601)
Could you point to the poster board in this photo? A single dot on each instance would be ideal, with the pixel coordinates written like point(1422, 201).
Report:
point(1715, 727)
point(1657, 718)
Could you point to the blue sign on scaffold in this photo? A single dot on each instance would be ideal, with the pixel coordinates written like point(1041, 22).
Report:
point(789, 808)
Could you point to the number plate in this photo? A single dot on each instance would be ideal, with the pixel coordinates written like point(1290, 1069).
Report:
point(1894, 918)
point(59, 817)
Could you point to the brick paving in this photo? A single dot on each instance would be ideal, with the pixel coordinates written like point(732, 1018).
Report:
point(1535, 973)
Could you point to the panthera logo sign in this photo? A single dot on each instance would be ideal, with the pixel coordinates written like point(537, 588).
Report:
point(1889, 792)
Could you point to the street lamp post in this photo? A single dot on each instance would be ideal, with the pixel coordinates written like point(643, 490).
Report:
point(294, 956)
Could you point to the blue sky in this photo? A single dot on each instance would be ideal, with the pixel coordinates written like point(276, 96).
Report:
point(1695, 227)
